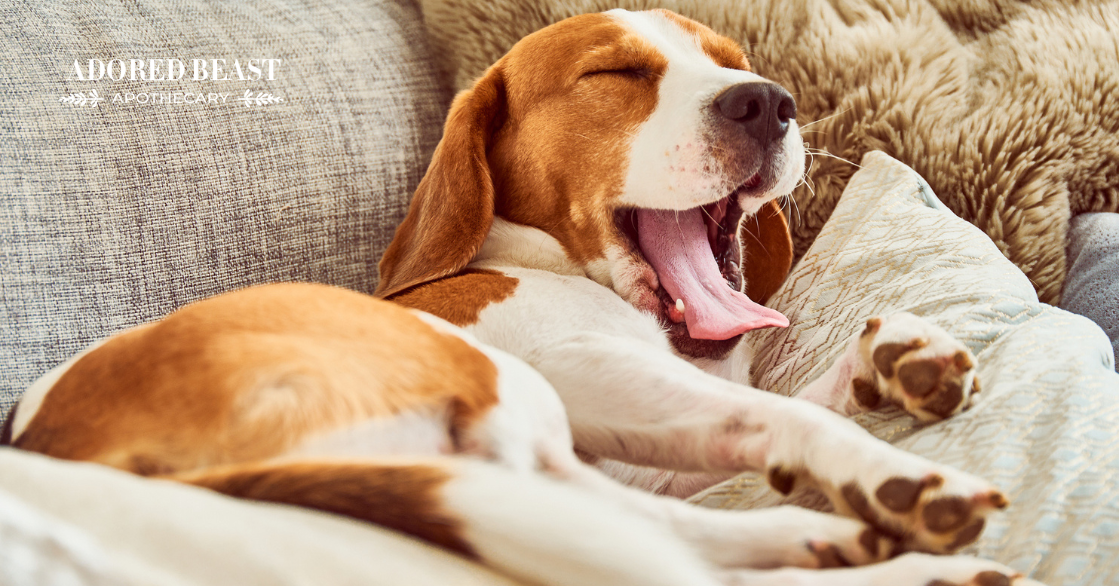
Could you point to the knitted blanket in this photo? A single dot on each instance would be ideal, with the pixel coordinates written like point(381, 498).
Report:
point(1008, 109)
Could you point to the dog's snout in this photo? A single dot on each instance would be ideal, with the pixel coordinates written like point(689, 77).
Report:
point(763, 109)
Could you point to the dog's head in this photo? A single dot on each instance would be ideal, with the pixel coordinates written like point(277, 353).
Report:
point(637, 140)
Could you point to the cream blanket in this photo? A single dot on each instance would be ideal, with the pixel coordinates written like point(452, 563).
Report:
point(1009, 109)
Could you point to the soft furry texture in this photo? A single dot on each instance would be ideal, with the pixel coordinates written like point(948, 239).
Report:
point(1009, 109)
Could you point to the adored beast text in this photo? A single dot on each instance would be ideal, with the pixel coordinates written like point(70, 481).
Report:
point(175, 69)
point(203, 71)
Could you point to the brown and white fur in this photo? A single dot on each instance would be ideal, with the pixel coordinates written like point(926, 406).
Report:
point(554, 336)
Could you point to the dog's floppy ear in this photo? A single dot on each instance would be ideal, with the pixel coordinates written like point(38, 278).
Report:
point(453, 207)
point(767, 247)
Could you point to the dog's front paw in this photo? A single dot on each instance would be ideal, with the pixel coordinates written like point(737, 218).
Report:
point(921, 505)
point(924, 513)
point(915, 364)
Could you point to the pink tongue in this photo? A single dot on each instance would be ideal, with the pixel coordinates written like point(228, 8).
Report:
point(675, 243)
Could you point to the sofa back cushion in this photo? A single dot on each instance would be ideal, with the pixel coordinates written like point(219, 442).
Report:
point(118, 211)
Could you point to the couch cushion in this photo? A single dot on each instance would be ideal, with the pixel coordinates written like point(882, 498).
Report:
point(1092, 288)
point(1043, 429)
point(120, 212)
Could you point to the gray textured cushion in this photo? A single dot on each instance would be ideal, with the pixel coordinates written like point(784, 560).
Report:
point(1092, 287)
point(117, 214)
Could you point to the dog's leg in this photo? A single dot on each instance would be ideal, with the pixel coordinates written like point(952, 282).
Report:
point(521, 523)
point(908, 570)
point(764, 538)
point(528, 431)
point(631, 401)
point(901, 359)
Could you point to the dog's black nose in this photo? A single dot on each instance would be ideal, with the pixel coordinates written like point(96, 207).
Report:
point(763, 109)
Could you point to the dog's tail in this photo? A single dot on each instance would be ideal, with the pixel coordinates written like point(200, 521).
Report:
point(524, 524)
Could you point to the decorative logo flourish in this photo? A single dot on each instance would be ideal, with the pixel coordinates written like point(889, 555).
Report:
point(260, 99)
point(81, 100)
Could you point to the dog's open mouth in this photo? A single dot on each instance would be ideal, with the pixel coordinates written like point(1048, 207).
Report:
point(697, 258)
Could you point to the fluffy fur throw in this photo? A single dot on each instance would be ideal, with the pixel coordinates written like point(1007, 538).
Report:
point(1009, 109)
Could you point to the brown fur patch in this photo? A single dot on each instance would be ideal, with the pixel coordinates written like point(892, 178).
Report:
point(247, 375)
point(561, 158)
point(402, 497)
point(459, 299)
point(767, 252)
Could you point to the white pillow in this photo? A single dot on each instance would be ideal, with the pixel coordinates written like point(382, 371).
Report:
point(1044, 429)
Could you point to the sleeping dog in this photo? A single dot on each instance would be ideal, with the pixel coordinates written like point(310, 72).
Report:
point(566, 301)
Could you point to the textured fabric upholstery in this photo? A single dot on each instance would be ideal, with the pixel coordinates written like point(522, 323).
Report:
point(1043, 429)
point(116, 214)
point(1092, 288)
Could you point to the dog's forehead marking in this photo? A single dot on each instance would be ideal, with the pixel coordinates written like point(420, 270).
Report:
point(682, 48)
point(676, 44)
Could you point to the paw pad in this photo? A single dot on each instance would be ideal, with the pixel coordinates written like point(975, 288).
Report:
point(828, 555)
point(988, 578)
point(900, 495)
point(866, 393)
point(781, 479)
point(992, 578)
point(946, 514)
point(870, 539)
point(920, 377)
point(886, 355)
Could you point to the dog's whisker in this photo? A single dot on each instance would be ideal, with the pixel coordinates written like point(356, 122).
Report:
point(825, 118)
point(829, 155)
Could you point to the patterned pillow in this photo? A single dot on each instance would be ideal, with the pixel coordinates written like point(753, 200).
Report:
point(117, 212)
point(1044, 427)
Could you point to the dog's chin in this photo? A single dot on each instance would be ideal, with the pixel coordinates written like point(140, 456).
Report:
point(653, 301)
point(689, 346)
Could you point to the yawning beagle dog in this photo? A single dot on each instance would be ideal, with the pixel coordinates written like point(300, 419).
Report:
point(563, 303)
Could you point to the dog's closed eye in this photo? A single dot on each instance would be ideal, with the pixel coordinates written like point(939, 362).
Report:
point(633, 73)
